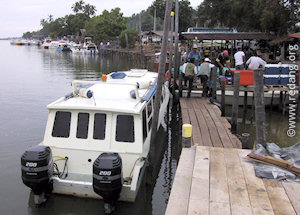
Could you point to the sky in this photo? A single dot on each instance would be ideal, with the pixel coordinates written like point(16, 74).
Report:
point(19, 16)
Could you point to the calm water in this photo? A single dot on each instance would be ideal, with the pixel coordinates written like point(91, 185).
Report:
point(31, 78)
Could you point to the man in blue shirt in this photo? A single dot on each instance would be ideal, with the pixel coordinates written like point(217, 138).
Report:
point(194, 54)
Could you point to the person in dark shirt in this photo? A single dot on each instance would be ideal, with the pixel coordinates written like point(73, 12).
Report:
point(222, 61)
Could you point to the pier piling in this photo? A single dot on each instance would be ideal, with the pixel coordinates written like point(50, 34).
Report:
point(259, 107)
point(235, 104)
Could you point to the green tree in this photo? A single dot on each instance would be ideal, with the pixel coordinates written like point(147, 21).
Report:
point(271, 16)
point(131, 35)
point(106, 26)
point(89, 10)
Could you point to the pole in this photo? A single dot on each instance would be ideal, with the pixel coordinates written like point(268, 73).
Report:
point(223, 98)
point(260, 117)
point(154, 20)
point(214, 82)
point(176, 68)
point(171, 51)
point(161, 69)
point(235, 105)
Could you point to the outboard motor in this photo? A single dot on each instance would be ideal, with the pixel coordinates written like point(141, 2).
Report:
point(107, 179)
point(37, 169)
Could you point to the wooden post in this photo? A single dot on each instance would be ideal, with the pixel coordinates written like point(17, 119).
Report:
point(161, 69)
point(176, 67)
point(223, 98)
point(260, 117)
point(171, 51)
point(245, 105)
point(214, 82)
point(272, 98)
point(235, 104)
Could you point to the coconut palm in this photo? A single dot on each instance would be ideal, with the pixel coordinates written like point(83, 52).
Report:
point(89, 10)
point(78, 6)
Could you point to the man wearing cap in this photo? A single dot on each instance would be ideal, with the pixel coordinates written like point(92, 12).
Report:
point(222, 61)
point(194, 54)
point(204, 74)
point(239, 58)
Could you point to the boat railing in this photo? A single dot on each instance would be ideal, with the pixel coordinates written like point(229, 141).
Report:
point(76, 83)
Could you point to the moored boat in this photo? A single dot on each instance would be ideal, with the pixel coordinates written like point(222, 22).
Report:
point(97, 139)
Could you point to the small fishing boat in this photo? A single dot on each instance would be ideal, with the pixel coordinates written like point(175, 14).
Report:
point(97, 139)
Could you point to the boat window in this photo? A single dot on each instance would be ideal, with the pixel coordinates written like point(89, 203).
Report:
point(82, 125)
point(144, 125)
point(125, 128)
point(62, 122)
point(149, 107)
point(99, 126)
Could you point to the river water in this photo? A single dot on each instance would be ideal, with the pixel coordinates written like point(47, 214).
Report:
point(31, 78)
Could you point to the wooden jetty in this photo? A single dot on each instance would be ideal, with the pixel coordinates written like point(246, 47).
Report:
point(214, 178)
point(209, 128)
point(218, 180)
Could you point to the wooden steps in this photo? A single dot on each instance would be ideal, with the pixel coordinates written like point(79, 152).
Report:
point(219, 181)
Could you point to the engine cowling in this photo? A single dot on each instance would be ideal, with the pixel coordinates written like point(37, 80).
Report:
point(37, 169)
point(107, 177)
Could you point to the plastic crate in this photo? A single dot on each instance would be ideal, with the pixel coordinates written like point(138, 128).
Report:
point(284, 79)
point(246, 77)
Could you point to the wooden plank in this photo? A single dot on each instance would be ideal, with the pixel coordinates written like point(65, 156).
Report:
point(216, 141)
point(292, 190)
point(183, 104)
point(239, 198)
point(196, 134)
point(179, 197)
point(219, 195)
point(203, 129)
point(199, 198)
point(220, 128)
point(258, 195)
point(185, 116)
point(279, 200)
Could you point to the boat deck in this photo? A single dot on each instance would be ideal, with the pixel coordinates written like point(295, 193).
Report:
point(220, 181)
point(209, 128)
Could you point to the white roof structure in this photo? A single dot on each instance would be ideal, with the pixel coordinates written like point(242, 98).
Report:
point(121, 92)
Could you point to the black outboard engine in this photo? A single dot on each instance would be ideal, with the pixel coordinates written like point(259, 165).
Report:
point(37, 169)
point(107, 179)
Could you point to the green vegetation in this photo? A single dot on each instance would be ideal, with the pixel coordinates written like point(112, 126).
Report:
point(131, 36)
point(277, 17)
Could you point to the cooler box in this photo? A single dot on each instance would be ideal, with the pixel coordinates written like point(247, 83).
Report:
point(246, 77)
point(272, 79)
point(284, 79)
point(272, 69)
point(285, 70)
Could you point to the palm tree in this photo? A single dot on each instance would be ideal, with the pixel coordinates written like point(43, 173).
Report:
point(78, 6)
point(43, 22)
point(89, 10)
point(50, 18)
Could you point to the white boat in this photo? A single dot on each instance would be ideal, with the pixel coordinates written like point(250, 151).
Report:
point(89, 47)
point(97, 139)
point(46, 44)
point(77, 49)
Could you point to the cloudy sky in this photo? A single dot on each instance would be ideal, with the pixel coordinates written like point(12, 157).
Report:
point(19, 16)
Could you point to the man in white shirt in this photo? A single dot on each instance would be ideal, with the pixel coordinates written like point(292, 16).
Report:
point(239, 58)
point(255, 62)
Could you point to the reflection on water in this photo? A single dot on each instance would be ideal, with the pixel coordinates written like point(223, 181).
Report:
point(276, 127)
point(30, 79)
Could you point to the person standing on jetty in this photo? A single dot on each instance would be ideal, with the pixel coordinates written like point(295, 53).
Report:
point(190, 70)
point(239, 58)
point(255, 62)
point(204, 74)
point(222, 61)
point(194, 54)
